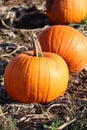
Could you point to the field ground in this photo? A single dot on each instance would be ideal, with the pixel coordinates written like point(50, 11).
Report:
point(18, 19)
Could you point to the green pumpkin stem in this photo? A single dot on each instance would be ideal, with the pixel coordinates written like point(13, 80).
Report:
point(37, 47)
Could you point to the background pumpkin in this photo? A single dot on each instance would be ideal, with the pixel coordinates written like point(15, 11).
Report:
point(31, 78)
point(66, 41)
point(66, 11)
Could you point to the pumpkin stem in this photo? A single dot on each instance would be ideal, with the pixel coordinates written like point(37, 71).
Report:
point(37, 47)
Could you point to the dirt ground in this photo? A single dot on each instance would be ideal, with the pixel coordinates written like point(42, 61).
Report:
point(18, 19)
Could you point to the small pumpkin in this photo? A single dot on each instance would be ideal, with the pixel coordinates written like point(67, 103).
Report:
point(67, 42)
point(36, 76)
point(66, 11)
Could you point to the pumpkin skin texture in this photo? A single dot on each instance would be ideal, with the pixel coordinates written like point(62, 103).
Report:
point(29, 78)
point(66, 11)
point(67, 42)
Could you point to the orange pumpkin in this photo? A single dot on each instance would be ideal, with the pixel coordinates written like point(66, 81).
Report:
point(35, 77)
point(66, 41)
point(66, 11)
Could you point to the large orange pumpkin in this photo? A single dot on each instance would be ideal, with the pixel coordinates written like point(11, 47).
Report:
point(66, 11)
point(66, 41)
point(35, 78)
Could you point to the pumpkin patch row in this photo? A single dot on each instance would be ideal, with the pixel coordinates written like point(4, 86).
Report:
point(42, 75)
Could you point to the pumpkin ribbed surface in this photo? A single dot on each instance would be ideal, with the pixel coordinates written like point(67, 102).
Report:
point(66, 11)
point(67, 42)
point(36, 79)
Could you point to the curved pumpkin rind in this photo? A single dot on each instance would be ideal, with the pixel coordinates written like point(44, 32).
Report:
point(36, 79)
point(67, 42)
point(66, 11)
